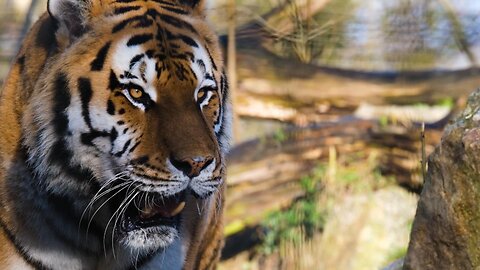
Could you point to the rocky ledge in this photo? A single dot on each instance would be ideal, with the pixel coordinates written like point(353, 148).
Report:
point(446, 229)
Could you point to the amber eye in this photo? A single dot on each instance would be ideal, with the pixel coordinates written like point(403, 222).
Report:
point(135, 93)
point(201, 94)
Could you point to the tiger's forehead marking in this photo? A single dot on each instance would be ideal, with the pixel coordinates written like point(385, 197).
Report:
point(170, 40)
point(133, 64)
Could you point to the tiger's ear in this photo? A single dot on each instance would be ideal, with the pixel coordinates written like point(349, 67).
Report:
point(70, 15)
point(198, 6)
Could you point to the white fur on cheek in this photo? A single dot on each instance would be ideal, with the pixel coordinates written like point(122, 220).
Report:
point(200, 53)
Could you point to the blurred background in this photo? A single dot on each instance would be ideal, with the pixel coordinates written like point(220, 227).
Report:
point(337, 103)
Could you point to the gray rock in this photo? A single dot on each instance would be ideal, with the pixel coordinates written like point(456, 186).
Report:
point(446, 230)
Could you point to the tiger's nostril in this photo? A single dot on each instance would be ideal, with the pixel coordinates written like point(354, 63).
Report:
point(192, 167)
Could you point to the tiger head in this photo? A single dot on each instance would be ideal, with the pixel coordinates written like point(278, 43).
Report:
point(132, 113)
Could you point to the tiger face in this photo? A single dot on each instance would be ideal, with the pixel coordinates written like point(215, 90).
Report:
point(138, 121)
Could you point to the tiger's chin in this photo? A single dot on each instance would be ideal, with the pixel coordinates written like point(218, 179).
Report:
point(152, 224)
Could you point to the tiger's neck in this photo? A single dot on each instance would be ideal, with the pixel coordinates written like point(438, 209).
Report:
point(37, 219)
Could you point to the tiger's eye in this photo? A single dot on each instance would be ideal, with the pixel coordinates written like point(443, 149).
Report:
point(200, 94)
point(136, 93)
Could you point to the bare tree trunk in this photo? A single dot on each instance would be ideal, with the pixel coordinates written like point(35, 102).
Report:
point(232, 62)
point(458, 31)
point(28, 21)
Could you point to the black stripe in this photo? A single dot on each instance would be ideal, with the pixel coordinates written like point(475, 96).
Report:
point(134, 147)
point(113, 82)
point(135, 60)
point(209, 77)
point(189, 56)
point(21, 251)
point(224, 87)
point(143, 23)
point(169, 35)
point(122, 10)
point(176, 22)
point(60, 104)
point(46, 35)
point(211, 58)
point(99, 61)
point(150, 53)
point(163, 2)
point(225, 94)
point(85, 88)
point(181, 72)
point(139, 39)
point(188, 40)
point(202, 65)
point(141, 160)
point(21, 63)
point(62, 156)
point(113, 134)
point(87, 138)
point(125, 147)
point(191, 3)
point(123, 24)
point(110, 107)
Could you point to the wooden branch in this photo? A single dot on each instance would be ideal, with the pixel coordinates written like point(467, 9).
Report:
point(263, 73)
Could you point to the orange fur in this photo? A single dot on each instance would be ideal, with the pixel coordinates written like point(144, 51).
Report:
point(48, 51)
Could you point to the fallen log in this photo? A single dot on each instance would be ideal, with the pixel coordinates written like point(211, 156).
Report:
point(264, 174)
point(262, 73)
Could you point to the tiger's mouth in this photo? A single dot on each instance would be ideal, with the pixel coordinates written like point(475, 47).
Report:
point(153, 210)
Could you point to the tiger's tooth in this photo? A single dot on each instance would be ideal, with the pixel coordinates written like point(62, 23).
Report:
point(179, 209)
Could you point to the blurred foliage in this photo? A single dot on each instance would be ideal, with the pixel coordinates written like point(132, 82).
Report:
point(300, 221)
point(280, 135)
point(447, 102)
point(380, 35)
point(396, 255)
point(314, 36)
point(402, 35)
point(407, 25)
point(306, 217)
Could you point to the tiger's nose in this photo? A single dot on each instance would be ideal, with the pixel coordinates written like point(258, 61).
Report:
point(192, 167)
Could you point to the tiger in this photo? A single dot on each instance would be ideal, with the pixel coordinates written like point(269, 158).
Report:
point(115, 120)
